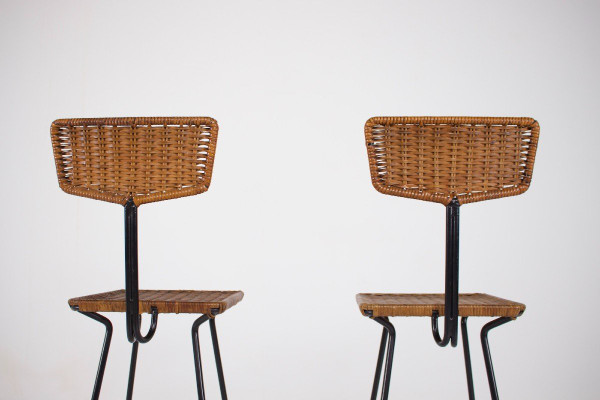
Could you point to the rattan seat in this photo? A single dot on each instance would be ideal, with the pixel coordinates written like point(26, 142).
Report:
point(423, 305)
point(165, 301)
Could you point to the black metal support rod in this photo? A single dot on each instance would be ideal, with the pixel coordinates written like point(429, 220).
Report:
point(451, 289)
point(487, 355)
point(197, 359)
point(132, 295)
point(134, 352)
point(105, 348)
point(467, 353)
point(380, 357)
point(217, 351)
point(387, 375)
point(131, 270)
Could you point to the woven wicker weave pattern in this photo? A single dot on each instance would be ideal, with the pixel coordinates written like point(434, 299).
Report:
point(438, 158)
point(423, 305)
point(165, 301)
point(144, 159)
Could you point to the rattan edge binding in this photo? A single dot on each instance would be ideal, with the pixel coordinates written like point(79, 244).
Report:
point(135, 121)
point(445, 200)
point(122, 200)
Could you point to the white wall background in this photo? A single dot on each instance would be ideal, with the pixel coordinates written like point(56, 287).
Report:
point(291, 217)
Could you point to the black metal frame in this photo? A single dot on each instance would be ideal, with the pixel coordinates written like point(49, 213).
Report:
point(105, 347)
point(388, 340)
point(134, 319)
point(467, 353)
point(487, 355)
point(451, 293)
point(132, 293)
point(451, 317)
point(198, 360)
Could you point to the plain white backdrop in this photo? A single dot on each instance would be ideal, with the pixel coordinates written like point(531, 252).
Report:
point(291, 217)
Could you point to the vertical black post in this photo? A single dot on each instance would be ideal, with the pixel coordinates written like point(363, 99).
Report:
point(451, 299)
point(451, 290)
point(131, 270)
point(132, 291)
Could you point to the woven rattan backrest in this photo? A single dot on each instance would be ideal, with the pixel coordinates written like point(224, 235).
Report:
point(143, 159)
point(439, 158)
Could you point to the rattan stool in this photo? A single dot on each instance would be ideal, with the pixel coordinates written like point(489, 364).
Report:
point(452, 161)
point(133, 161)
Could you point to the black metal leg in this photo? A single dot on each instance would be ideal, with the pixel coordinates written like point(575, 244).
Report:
point(488, 356)
point(134, 351)
point(467, 352)
point(215, 341)
point(380, 357)
point(387, 375)
point(104, 354)
point(197, 359)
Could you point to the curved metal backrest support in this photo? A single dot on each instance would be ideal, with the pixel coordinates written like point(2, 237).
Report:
point(132, 291)
point(452, 161)
point(451, 289)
